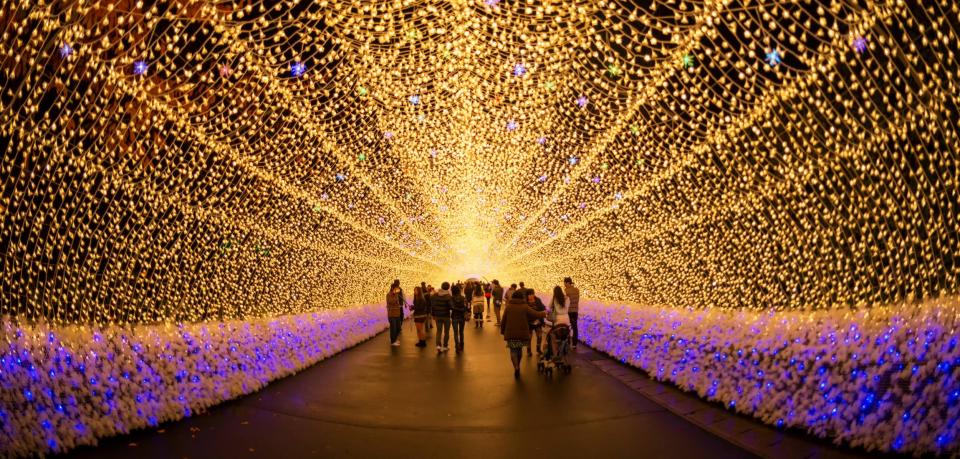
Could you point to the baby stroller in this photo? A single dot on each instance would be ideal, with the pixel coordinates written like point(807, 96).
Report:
point(556, 355)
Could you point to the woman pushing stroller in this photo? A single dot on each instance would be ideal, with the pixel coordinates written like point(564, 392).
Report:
point(557, 343)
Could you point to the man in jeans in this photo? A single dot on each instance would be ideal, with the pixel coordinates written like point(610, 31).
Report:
point(440, 303)
point(394, 314)
point(573, 294)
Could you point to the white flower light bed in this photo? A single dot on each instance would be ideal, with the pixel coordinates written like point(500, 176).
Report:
point(65, 387)
point(886, 379)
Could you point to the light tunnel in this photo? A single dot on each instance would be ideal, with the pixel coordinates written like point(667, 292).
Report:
point(757, 199)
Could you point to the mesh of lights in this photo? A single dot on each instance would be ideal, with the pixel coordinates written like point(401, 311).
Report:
point(190, 162)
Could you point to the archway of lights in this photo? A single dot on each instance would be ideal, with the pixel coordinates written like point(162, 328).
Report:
point(758, 197)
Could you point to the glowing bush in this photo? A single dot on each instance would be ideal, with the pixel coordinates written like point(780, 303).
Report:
point(885, 379)
point(65, 387)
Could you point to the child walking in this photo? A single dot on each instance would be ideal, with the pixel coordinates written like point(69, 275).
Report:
point(478, 303)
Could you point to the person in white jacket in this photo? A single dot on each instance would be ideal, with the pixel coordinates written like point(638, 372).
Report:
point(558, 313)
point(559, 307)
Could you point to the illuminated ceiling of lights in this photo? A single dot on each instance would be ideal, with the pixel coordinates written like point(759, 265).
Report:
point(191, 160)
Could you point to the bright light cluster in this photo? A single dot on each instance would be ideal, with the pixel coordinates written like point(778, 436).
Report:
point(190, 161)
point(65, 387)
point(886, 379)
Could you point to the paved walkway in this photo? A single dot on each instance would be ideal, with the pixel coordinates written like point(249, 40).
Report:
point(381, 401)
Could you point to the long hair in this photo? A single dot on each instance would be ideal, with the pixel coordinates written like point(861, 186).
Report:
point(478, 291)
point(418, 294)
point(558, 295)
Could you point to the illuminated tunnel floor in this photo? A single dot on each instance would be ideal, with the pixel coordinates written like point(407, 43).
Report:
point(381, 401)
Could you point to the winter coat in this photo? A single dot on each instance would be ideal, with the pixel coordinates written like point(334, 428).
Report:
point(497, 294)
point(538, 306)
point(394, 308)
point(458, 307)
point(440, 304)
point(561, 311)
point(478, 303)
point(421, 307)
point(573, 294)
point(514, 323)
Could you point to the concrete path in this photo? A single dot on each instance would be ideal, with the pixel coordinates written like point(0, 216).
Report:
point(404, 402)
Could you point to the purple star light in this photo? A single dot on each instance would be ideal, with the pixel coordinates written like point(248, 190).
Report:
point(140, 67)
point(860, 45)
point(297, 69)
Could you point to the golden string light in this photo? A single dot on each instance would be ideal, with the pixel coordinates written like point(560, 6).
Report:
point(192, 161)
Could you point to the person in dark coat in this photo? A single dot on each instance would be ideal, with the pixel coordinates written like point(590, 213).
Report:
point(515, 327)
point(440, 303)
point(458, 317)
point(420, 311)
point(497, 292)
point(394, 314)
point(536, 325)
point(488, 297)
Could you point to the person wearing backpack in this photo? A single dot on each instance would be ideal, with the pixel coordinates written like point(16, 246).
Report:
point(477, 304)
point(458, 316)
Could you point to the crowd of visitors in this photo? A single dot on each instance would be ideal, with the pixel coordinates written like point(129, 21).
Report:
point(520, 314)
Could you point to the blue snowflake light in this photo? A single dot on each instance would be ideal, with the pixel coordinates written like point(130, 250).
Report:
point(860, 45)
point(582, 101)
point(773, 58)
point(66, 50)
point(542, 140)
point(415, 99)
point(512, 125)
point(140, 67)
point(297, 69)
point(573, 160)
point(519, 70)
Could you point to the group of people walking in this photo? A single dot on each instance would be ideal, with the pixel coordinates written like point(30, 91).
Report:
point(451, 306)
